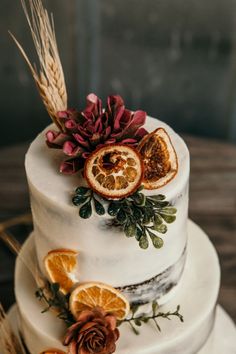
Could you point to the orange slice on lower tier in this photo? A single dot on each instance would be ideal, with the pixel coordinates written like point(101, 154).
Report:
point(114, 171)
point(159, 157)
point(89, 295)
point(61, 266)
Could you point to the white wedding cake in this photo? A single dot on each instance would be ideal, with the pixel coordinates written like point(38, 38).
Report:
point(112, 257)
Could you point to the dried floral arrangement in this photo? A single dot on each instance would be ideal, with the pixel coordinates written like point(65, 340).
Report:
point(118, 159)
point(108, 146)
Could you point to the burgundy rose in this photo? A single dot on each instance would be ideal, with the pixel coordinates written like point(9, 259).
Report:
point(94, 332)
point(84, 131)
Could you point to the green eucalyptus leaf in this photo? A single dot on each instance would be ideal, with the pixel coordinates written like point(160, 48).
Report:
point(121, 216)
point(99, 208)
point(130, 229)
point(143, 242)
point(86, 210)
point(156, 241)
point(158, 197)
point(146, 218)
point(157, 220)
point(139, 199)
point(169, 210)
point(160, 228)
point(82, 190)
point(168, 218)
point(79, 199)
point(161, 205)
point(113, 208)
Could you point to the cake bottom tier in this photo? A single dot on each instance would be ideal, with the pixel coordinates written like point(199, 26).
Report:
point(197, 296)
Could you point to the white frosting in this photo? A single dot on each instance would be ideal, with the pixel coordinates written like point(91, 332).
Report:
point(197, 296)
point(105, 254)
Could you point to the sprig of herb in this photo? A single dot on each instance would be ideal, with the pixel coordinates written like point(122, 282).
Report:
point(86, 197)
point(139, 216)
point(135, 322)
point(143, 217)
point(57, 301)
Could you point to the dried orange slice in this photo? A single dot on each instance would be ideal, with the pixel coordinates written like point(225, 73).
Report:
point(61, 266)
point(89, 295)
point(114, 171)
point(159, 157)
point(53, 351)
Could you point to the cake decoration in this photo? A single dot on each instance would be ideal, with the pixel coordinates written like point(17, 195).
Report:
point(61, 266)
point(160, 159)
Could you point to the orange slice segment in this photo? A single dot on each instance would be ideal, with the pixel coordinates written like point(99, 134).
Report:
point(61, 266)
point(114, 171)
point(159, 157)
point(89, 295)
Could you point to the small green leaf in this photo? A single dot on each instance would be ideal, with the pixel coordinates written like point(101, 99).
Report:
point(169, 210)
point(160, 228)
point(81, 190)
point(157, 241)
point(139, 199)
point(113, 208)
point(168, 218)
point(157, 220)
point(158, 197)
point(99, 208)
point(130, 229)
point(86, 210)
point(146, 218)
point(143, 242)
point(138, 322)
point(161, 205)
point(121, 216)
point(79, 199)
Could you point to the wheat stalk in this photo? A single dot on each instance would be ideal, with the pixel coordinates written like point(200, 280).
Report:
point(49, 78)
point(9, 342)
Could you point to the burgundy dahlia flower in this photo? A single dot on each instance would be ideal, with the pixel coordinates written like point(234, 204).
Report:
point(94, 332)
point(84, 131)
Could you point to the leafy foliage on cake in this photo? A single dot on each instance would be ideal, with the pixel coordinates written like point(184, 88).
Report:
point(142, 217)
point(60, 304)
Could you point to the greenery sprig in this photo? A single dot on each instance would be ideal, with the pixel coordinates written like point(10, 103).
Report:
point(86, 197)
point(135, 322)
point(139, 216)
point(56, 301)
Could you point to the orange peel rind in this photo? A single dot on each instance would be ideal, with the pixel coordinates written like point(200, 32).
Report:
point(114, 171)
point(159, 157)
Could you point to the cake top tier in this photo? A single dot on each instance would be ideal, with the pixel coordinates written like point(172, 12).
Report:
point(42, 166)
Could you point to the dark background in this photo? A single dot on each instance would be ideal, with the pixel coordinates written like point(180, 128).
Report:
point(174, 59)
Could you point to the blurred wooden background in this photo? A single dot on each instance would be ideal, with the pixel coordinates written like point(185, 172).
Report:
point(174, 59)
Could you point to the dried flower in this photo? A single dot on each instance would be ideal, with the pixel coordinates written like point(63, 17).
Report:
point(84, 131)
point(94, 332)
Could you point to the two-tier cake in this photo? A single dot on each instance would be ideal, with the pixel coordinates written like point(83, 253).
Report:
point(113, 256)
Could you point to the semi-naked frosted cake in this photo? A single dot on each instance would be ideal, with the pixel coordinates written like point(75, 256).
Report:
point(112, 257)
